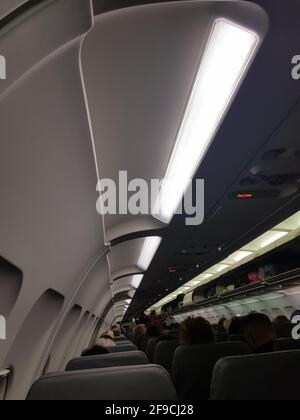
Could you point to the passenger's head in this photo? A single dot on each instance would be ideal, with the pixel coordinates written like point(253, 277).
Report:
point(116, 329)
point(281, 319)
point(94, 351)
point(194, 331)
point(106, 341)
point(108, 333)
point(259, 333)
point(140, 329)
point(236, 326)
point(153, 331)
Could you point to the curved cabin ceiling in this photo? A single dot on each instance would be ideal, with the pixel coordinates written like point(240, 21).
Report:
point(138, 67)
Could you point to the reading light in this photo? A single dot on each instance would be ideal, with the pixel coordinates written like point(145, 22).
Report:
point(225, 61)
point(149, 250)
point(245, 196)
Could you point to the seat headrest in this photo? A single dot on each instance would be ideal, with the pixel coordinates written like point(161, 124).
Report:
point(120, 338)
point(122, 347)
point(285, 344)
point(270, 376)
point(125, 383)
point(193, 366)
point(122, 342)
point(130, 358)
point(164, 353)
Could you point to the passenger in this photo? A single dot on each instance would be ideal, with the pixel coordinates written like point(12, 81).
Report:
point(154, 331)
point(154, 320)
point(116, 329)
point(94, 351)
point(236, 327)
point(106, 341)
point(139, 330)
point(259, 333)
point(195, 331)
point(108, 333)
point(143, 319)
point(283, 327)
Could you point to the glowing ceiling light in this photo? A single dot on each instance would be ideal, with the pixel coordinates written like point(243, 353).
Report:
point(271, 237)
point(241, 255)
point(149, 250)
point(232, 47)
point(136, 280)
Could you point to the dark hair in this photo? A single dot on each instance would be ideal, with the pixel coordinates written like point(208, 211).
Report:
point(116, 329)
point(259, 333)
point(106, 336)
point(153, 331)
point(257, 319)
point(236, 326)
point(194, 331)
point(281, 319)
point(94, 351)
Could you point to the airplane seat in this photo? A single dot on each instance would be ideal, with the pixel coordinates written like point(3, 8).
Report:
point(131, 358)
point(122, 342)
point(125, 383)
point(130, 337)
point(221, 337)
point(285, 344)
point(193, 367)
point(284, 330)
point(121, 348)
point(235, 338)
point(142, 343)
point(269, 376)
point(150, 349)
point(120, 339)
point(164, 353)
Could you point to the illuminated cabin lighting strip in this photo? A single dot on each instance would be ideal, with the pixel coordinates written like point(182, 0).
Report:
point(150, 247)
point(211, 97)
point(280, 234)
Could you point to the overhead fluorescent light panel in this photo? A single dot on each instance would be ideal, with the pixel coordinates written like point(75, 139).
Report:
point(226, 59)
point(150, 247)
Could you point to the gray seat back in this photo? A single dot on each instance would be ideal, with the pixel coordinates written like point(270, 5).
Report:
point(142, 343)
point(130, 358)
point(121, 338)
point(193, 366)
point(122, 342)
point(164, 353)
point(150, 350)
point(121, 348)
point(285, 344)
point(270, 376)
point(125, 383)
